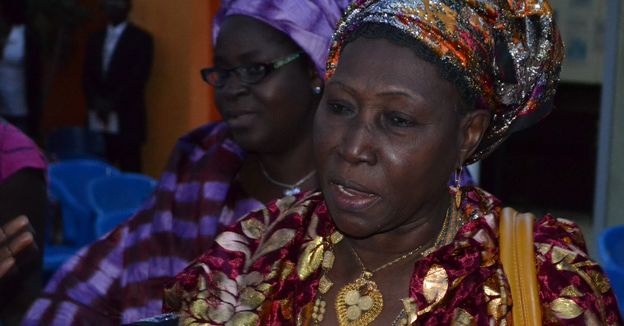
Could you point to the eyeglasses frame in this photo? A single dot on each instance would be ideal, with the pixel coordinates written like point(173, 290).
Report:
point(268, 68)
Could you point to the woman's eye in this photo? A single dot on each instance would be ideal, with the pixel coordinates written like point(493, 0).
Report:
point(399, 120)
point(257, 69)
point(339, 109)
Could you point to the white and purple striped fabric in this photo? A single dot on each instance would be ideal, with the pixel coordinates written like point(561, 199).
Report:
point(120, 278)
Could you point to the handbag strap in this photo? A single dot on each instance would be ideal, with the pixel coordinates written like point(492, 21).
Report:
point(518, 258)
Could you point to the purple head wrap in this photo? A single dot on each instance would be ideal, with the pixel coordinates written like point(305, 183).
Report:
point(309, 23)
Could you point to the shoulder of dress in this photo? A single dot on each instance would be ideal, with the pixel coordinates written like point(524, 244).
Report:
point(207, 135)
point(550, 232)
point(303, 204)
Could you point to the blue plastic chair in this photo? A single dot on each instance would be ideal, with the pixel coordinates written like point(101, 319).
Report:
point(106, 222)
point(122, 192)
point(115, 198)
point(611, 250)
point(68, 184)
point(75, 143)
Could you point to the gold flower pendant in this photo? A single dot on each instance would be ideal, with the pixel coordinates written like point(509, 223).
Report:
point(360, 302)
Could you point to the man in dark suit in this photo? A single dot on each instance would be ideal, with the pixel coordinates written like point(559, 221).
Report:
point(117, 66)
point(20, 102)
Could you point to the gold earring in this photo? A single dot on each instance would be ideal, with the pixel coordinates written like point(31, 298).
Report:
point(458, 192)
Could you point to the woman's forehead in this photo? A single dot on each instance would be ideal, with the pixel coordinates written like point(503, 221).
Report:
point(378, 65)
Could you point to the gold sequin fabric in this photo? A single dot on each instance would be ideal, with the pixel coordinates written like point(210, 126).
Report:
point(269, 268)
point(507, 53)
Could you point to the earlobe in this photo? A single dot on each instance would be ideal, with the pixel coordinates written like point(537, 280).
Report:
point(317, 85)
point(474, 124)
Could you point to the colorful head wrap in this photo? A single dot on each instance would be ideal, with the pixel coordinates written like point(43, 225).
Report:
point(310, 24)
point(506, 54)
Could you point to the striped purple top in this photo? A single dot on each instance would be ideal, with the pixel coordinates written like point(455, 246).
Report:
point(120, 278)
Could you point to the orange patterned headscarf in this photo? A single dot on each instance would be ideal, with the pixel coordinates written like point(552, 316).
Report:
point(507, 54)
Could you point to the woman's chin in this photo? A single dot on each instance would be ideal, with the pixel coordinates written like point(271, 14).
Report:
point(249, 140)
point(352, 229)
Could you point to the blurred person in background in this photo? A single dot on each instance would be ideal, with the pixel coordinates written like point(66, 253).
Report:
point(117, 66)
point(20, 69)
point(23, 199)
point(267, 75)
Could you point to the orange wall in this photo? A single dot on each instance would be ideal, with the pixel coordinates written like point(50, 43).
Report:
point(65, 105)
point(177, 99)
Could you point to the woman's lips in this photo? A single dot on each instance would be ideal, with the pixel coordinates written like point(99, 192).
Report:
point(241, 119)
point(351, 199)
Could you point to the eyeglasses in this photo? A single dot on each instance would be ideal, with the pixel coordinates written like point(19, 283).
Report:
point(248, 74)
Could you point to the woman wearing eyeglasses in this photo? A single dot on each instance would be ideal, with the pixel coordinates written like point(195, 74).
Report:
point(268, 62)
point(267, 89)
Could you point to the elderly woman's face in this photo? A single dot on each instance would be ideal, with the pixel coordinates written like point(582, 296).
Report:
point(273, 113)
point(386, 136)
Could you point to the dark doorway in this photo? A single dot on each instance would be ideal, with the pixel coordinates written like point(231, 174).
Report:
point(552, 164)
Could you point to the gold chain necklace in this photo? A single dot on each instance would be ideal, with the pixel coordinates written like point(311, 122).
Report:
point(325, 283)
point(360, 302)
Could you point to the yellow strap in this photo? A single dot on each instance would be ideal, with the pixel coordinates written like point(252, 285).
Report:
point(518, 258)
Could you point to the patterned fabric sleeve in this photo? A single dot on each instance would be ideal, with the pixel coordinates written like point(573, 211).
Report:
point(250, 275)
point(573, 288)
point(119, 278)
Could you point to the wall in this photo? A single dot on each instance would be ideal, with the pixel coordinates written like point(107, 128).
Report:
point(615, 189)
point(64, 103)
point(178, 100)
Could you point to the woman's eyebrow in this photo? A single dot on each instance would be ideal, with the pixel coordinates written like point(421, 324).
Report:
point(391, 92)
point(247, 55)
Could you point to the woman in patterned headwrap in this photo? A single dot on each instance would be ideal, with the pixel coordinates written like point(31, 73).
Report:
point(269, 64)
point(415, 90)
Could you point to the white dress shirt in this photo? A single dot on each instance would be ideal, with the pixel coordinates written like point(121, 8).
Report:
point(12, 76)
point(113, 33)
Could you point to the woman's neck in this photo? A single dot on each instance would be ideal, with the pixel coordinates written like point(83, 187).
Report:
point(261, 170)
point(421, 231)
point(288, 166)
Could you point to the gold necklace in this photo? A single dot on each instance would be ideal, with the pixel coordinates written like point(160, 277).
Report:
point(360, 302)
point(318, 311)
point(441, 238)
point(325, 283)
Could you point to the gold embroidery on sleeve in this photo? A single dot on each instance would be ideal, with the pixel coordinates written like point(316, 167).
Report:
point(435, 284)
point(570, 291)
point(462, 318)
point(243, 318)
point(411, 310)
point(601, 282)
point(253, 228)
point(311, 258)
point(565, 308)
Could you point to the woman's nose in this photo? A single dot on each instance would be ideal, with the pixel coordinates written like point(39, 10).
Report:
point(358, 145)
point(233, 86)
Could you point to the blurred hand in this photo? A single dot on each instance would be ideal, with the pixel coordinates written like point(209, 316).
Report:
point(103, 108)
point(15, 237)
